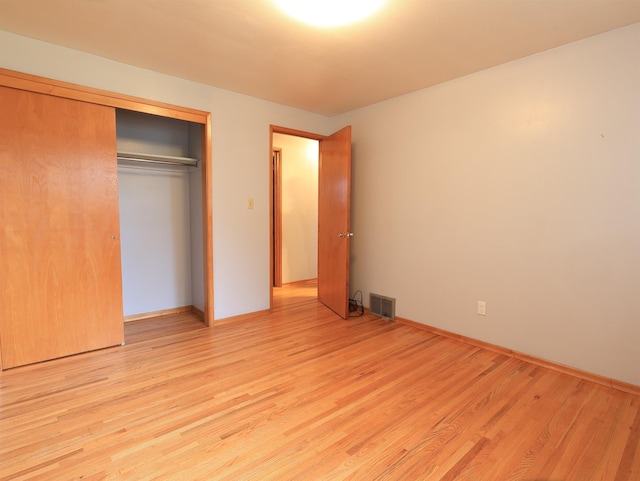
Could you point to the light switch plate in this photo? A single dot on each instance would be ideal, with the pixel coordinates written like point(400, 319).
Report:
point(482, 308)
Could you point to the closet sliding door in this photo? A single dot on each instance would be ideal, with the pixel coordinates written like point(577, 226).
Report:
point(60, 282)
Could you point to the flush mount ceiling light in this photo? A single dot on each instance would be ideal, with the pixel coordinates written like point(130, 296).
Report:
point(329, 13)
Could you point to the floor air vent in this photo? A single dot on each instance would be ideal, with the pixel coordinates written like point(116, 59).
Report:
point(382, 306)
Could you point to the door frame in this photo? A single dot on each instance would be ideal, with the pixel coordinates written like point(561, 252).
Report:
point(33, 83)
point(276, 218)
point(276, 129)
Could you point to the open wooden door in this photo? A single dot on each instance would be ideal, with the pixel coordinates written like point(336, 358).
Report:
point(334, 223)
point(61, 281)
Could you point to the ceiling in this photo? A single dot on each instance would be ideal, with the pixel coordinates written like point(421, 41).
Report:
point(248, 46)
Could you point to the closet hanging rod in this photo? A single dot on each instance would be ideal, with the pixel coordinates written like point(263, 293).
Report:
point(157, 159)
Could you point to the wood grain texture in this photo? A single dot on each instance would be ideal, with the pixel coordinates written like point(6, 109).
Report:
point(207, 221)
point(301, 394)
point(579, 373)
point(66, 90)
point(276, 220)
point(159, 313)
point(334, 218)
point(61, 281)
point(57, 88)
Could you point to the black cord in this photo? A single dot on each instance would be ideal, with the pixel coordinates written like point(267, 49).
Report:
point(356, 307)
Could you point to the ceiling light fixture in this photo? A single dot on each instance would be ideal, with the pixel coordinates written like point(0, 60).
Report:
point(329, 13)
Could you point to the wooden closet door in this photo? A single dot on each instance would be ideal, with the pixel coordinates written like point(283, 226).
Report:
point(60, 272)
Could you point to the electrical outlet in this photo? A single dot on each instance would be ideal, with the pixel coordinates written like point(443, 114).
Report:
point(482, 308)
point(250, 203)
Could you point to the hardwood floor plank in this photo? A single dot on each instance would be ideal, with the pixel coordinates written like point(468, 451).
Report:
point(300, 394)
point(629, 467)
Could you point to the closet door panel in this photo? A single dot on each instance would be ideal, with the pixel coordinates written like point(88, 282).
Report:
point(61, 282)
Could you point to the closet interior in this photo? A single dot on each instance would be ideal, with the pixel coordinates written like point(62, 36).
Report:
point(160, 200)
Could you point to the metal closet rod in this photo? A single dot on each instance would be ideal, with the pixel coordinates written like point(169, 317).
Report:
point(157, 159)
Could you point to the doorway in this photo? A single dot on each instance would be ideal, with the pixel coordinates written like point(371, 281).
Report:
point(295, 209)
point(333, 215)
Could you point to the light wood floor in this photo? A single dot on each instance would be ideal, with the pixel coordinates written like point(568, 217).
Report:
point(303, 395)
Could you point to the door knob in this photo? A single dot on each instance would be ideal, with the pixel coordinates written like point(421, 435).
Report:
point(345, 234)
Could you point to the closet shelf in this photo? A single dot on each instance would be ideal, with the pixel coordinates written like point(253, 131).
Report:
point(157, 159)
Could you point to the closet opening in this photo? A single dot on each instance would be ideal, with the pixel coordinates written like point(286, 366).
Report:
point(161, 215)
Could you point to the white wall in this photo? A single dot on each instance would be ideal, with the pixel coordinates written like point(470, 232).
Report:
point(299, 163)
point(155, 239)
point(520, 186)
point(240, 155)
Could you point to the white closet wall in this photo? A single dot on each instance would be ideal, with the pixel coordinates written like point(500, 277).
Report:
point(195, 209)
